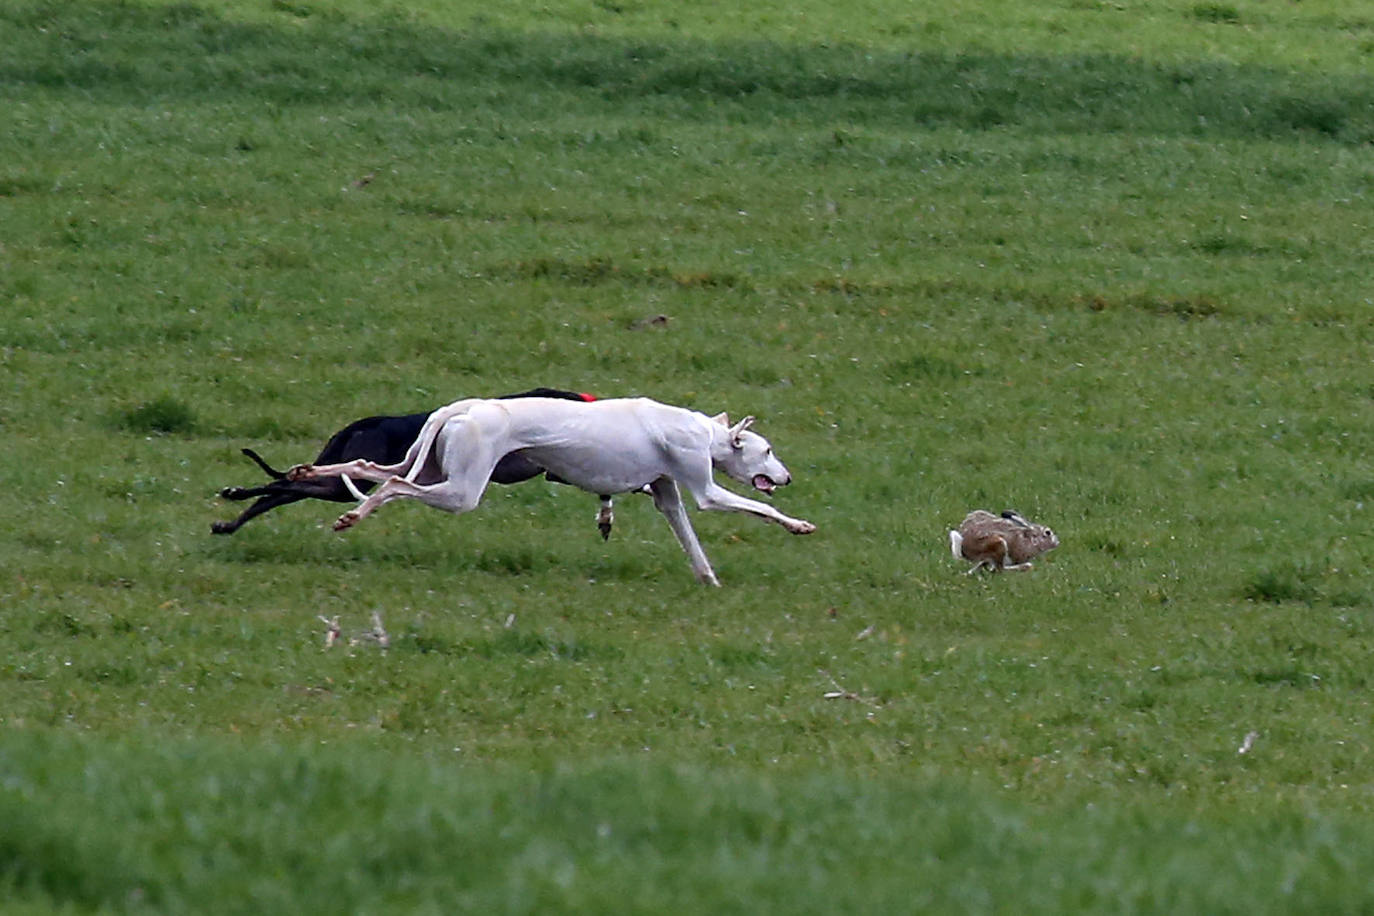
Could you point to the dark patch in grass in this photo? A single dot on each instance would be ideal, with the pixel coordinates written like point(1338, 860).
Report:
point(426, 643)
point(848, 287)
point(1114, 547)
point(112, 674)
point(1289, 582)
point(21, 284)
point(63, 625)
point(758, 375)
point(1359, 490)
point(299, 10)
point(1145, 699)
point(162, 416)
point(15, 185)
point(280, 257)
point(599, 271)
point(923, 366)
point(1350, 597)
point(1195, 305)
point(1326, 115)
point(1226, 244)
point(1285, 676)
point(516, 562)
point(1216, 12)
point(731, 656)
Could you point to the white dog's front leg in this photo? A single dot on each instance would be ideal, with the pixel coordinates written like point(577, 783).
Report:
point(714, 496)
point(668, 500)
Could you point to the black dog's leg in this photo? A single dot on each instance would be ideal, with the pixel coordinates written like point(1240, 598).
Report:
point(238, 494)
point(265, 504)
point(515, 468)
point(280, 493)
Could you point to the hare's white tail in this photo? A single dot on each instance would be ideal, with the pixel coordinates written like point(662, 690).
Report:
point(956, 544)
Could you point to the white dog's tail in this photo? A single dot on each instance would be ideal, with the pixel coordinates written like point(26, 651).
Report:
point(956, 544)
point(414, 459)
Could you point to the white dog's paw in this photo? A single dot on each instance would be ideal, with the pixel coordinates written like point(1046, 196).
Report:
point(706, 576)
point(346, 521)
point(300, 472)
point(801, 526)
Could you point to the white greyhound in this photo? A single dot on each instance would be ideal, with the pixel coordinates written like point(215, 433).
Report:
point(609, 446)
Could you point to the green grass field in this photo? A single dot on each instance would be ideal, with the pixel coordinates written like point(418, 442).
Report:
point(1106, 263)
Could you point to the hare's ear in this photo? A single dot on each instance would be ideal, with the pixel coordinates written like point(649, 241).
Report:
point(1012, 516)
point(739, 428)
point(722, 418)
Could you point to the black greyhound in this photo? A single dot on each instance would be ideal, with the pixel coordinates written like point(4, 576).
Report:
point(385, 441)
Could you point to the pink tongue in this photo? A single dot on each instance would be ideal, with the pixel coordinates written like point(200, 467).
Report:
point(763, 483)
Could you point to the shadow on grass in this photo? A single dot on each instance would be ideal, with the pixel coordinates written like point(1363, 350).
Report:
point(131, 54)
point(303, 543)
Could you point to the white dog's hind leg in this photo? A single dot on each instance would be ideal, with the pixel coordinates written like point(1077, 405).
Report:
point(668, 500)
point(358, 467)
point(409, 466)
point(456, 496)
point(470, 456)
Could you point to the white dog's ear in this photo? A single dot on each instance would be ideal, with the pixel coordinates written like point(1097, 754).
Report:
point(738, 428)
point(722, 419)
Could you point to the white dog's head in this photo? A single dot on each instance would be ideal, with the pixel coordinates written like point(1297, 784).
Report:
point(747, 457)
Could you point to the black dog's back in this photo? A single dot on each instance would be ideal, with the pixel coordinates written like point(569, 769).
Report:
point(382, 439)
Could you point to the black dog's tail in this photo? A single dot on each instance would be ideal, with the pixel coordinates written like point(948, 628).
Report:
point(271, 471)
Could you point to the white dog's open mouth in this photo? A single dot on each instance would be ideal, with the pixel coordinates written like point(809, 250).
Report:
point(764, 483)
